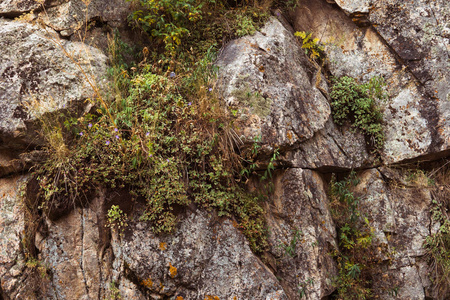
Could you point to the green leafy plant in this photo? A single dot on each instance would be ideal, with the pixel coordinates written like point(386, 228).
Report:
point(167, 20)
point(37, 265)
point(245, 26)
point(114, 291)
point(206, 22)
point(355, 241)
point(291, 248)
point(311, 45)
point(117, 219)
point(358, 104)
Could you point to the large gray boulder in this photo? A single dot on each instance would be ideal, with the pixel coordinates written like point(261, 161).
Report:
point(206, 258)
point(38, 67)
point(408, 46)
point(279, 96)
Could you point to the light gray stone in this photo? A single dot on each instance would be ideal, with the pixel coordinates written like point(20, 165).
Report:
point(406, 45)
point(286, 108)
point(205, 257)
point(36, 66)
point(400, 217)
point(69, 16)
point(17, 7)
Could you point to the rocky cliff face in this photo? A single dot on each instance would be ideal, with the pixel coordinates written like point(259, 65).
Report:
point(282, 98)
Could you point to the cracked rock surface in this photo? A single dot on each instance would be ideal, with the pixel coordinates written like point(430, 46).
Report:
point(279, 97)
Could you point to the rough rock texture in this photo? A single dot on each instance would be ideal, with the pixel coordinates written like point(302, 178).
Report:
point(70, 15)
point(12, 226)
point(299, 216)
point(75, 249)
point(400, 216)
point(35, 69)
point(392, 39)
point(205, 257)
point(17, 7)
point(283, 110)
point(277, 94)
point(269, 78)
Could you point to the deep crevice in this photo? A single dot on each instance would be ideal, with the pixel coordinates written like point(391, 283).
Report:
point(82, 253)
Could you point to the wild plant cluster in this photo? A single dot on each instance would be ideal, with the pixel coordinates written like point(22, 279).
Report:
point(437, 244)
point(356, 253)
point(161, 133)
point(357, 103)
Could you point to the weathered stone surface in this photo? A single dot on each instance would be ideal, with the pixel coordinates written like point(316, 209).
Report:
point(418, 32)
point(302, 234)
point(330, 149)
point(71, 252)
point(12, 226)
point(71, 15)
point(416, 114)
point(34, 67)
point(352, 7)
point(267, 76)
point(400, 216)
point(272, 83)
point(75, 249)
point(17, 7)
point(205, 256)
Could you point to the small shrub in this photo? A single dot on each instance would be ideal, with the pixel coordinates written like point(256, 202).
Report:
point(167, 20)
point(117, 219)
point(355, 241)
point(245, 26)
point(358, 104)
point(311, 45)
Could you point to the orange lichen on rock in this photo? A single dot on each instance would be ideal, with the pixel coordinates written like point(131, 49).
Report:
point(289, 135)
point(147, 282)
point(172, 271)
point(162, 246)
point(209, 297)
point(179, 298)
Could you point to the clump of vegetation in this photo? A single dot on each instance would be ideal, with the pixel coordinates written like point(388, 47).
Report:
point(311, 45)
point(117, 219)
point(357, 103)
point(205, 22)
point(356, 255)
point(437, 244)
point(163, 134)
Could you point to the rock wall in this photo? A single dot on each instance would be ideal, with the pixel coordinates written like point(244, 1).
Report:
point(280, 97)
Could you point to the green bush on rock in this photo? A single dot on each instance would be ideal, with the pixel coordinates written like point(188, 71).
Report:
point(163, 134)
point(358, 104)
